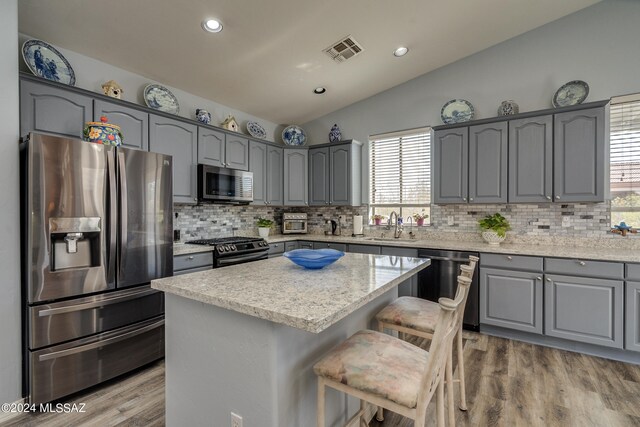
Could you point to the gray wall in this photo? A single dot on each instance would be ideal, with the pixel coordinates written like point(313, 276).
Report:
point(598, 44)
point(10, 358)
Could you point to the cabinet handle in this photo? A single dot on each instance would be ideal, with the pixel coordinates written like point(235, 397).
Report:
point(548, 279)
point(509, 257)
point(557, 197)
point(582, 263)
point(195, 199)
point(548, 197)
point(471, 199)
point(464, 199)
point(191, 257)
point(538, 278)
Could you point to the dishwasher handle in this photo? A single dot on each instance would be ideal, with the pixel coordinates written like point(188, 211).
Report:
point(441, 258)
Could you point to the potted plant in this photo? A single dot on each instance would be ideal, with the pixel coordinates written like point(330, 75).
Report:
point(377, 219)
point(419, 218)
point(495, 228)
point(264, 225)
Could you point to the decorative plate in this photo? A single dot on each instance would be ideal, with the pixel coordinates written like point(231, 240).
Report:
point(314, 259)
point(256, 130)
point(457, 111)
point(572, 93)
point(160, 98)
point(294, 135)
point(45, 61)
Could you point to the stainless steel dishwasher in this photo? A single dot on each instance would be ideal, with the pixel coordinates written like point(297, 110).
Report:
point(439, 280)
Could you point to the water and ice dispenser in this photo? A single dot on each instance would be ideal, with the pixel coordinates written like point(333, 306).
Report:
point(75, 242)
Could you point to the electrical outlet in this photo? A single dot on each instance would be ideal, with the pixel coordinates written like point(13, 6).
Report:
point(236, 420)
point(450, 220)
point(566, 221)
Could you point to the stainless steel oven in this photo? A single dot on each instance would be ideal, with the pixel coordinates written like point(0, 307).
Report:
point(294, 223)
point(224, 185)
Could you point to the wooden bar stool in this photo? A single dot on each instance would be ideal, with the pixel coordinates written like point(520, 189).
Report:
point(391, 373)
point(417, 316)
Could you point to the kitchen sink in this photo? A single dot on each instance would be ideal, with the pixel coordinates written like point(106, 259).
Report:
point(384, 239)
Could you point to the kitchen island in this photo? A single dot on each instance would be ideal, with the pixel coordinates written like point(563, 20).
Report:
point(244, 338)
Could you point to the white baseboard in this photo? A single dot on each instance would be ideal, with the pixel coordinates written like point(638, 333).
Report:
point(6, 416)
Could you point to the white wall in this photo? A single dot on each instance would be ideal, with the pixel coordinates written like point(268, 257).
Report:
point(92, 73)
point(598, 44)
point(10, 343)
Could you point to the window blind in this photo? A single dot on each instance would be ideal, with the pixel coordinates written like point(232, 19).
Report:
point(400, 168)
point(625, 147)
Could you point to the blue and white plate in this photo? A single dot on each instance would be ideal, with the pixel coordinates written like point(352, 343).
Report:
point(457, 111)
point(571, 93)
point(45, 61)
point(294, 135)
point(160, 98)
point(256, 130)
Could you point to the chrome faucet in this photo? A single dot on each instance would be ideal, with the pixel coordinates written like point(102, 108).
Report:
point(397, 231)
point(412, 235)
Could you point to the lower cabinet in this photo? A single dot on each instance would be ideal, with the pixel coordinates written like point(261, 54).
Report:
point(190, 263)
point(511, 299)
point(324, 245)
point(584, 309)
point(305, 245)
point(276, 249)
point(632, 317)
point(364, 249)
point(290, 246)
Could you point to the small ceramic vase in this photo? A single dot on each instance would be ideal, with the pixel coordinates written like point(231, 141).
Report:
point(203, 116)
point(264, 232)
point(102, 132)
point(335, 135)
point(508, 108)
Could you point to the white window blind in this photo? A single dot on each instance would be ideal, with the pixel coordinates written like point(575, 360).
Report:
point(625, 159)
point(400, 169)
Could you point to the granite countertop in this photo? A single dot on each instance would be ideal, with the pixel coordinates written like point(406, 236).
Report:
point(282, 292)
point(575, 252)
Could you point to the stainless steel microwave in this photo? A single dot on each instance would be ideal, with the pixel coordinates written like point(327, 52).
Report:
point(224, 185)
point(294, 223)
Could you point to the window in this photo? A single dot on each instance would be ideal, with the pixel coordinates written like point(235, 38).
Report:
point(625, 160)
point(400, 174)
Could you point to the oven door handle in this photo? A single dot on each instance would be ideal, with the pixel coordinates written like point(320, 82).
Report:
point(441, 258)
point(235, 259)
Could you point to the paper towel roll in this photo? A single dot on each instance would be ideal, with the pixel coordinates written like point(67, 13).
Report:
point(357, 224)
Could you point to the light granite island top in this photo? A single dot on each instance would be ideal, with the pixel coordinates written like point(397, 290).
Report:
point(280, 291)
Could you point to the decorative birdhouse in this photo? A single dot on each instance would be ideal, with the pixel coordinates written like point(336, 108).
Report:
point(230, 123)
point(112, 89)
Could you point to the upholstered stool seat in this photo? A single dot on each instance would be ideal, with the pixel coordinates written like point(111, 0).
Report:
point(378, 364)
point(410, 312)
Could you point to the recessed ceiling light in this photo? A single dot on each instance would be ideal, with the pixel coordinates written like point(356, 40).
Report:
point(401, 51)
point(212, 25)
point(319, 90)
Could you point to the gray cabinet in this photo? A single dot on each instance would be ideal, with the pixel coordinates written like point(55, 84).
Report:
point(335, 174)
point(216, 148)
point(305, 244)
point(290, 246)
point(134, 124)
point(632, 316)
point(275, 176)
point(52, 110)
point(180, 140)
point(579, 156)
point(237, 152)
point(450, 168)
point(584, 309)
point(328, 245)
point(276, 249)
point(511, 299)
point(531, 160)
point(190, 263)
point(296, 179)
point(410, 286)
point(488, 163)
point(265, 161)
point(364, 249)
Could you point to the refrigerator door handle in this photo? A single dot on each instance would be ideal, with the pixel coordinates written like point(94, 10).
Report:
point(123, 213)
point(113, 217)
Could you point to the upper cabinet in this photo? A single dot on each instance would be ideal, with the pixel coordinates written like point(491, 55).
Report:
point(559, 156)
point(49, 109)
point(180, 140)
point(275, 175)
point(134, 124)
point(219, 149)
point(335, 174)
point(266, 163)
point(296, 177)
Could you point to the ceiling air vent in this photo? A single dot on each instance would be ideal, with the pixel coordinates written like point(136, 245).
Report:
point(344, 49)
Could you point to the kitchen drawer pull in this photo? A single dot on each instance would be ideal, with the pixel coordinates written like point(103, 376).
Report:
point(548, 279)
point(538, 278)
point(190, 257)
point(548, 197)
point(582, 263)
point(95, 304)
point(509, 257)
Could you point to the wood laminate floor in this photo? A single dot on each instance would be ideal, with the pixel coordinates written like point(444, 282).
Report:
point(509, 383)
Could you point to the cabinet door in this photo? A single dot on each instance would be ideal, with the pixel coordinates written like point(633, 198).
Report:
point(364, 249)
point(488, 163)
point(296, 180)
point(340, 175)
point(632, 317)
point(324, 245)
point(511, 299)
point(52, 110)
point(584, 309)
point(211, 147)
point(180, 140)
point(579, 156)
point(134, 124)
point(275, 183)
point(531, 160)
point(450, 166)
point(237, 153)
point(258, 165)
point(319, 176)
point(290, 246)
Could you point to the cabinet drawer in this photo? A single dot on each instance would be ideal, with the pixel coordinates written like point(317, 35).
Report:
point(577, 267)
point(276, 248)
point(633, 271)
point(183, 262)
point(289, 246)
point(324, 245)
point(515, 262)
point(388, 250)
point(305, 245)
point(365, 249)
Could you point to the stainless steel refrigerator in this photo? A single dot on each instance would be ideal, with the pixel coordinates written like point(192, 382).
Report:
point(97, 228)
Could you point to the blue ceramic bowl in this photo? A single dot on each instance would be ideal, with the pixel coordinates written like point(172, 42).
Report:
point(314, 259)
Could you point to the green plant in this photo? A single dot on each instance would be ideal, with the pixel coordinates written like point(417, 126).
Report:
point(264, 223)
point(495, 222)
point(376, 216)
point(421, 215)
